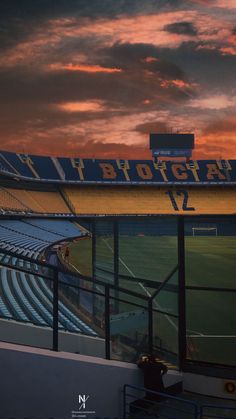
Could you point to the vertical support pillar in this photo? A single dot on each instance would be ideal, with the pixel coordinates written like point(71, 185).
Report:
point(55, 311)
point(94, 248)
point(107, 322)
point(116, 262)
point(93, 230)
point(181, 294)
point(150, 327)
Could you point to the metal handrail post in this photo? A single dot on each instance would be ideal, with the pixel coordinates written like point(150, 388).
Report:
point(107, 322)
point(150, 327)
point(55, 310)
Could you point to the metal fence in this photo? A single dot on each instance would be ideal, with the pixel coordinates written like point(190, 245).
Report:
point(140, 403)
point(217, 412)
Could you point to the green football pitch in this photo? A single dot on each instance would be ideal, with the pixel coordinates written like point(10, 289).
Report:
point(210, 262)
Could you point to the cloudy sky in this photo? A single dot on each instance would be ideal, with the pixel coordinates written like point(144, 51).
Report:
point(95, 77)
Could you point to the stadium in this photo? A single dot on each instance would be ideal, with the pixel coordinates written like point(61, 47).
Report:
point(103, 261)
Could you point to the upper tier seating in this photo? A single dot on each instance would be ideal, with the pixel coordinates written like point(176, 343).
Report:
point(113, 170)
point(32, 201)
point(10, 202)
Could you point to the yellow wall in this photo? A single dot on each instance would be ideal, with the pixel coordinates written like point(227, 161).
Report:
point(152, 200)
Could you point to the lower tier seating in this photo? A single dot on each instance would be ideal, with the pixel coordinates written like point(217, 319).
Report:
point(27, 297)
point(30, 237)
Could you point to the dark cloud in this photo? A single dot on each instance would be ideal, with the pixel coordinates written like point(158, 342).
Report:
point(20, 19)
point(223, 125)
point(28, 9)
point(153, 127)
point(207, 67)
point(181, 28)
point(138, 81)
point(124, 55)
point(40, 39)
point(132, 56)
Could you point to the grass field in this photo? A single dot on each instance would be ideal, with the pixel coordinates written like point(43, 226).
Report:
point(210, 262)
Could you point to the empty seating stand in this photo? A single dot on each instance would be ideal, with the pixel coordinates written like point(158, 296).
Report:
point(31, 201)
point(27, 298)
point(30, 237)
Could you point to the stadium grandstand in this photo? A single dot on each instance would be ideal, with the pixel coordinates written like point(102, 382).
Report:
point(103, 261)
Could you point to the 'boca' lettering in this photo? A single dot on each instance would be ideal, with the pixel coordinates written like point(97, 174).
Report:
point(108, 171)
point(214, 171)
point(144, 171)
point(179, 171)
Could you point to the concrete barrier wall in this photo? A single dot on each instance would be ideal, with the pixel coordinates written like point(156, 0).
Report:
point(224, 388)
point(42, 383)
point(30, 335)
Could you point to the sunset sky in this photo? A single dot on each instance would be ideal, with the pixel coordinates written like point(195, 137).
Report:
point(93, 78)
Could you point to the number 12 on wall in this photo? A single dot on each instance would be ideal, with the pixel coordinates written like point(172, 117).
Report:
point(182, 193)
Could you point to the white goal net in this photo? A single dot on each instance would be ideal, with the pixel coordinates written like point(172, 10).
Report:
point(204, 231)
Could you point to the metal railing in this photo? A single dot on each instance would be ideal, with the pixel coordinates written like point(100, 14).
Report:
point(141, 403)
point(73, 290)
point(121, 299)
point(217, 412)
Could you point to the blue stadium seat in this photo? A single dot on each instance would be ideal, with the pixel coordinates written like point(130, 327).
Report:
point(43, 311)
point(18, 312)
point(31, 237)
point(4, 312)
point(79, 323)
point(68, 325)
point(25, 302)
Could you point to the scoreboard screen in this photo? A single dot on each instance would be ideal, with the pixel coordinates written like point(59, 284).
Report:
point(171, 141)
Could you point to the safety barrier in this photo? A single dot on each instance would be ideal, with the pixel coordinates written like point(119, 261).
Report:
point(141, 403)
point(217, 412)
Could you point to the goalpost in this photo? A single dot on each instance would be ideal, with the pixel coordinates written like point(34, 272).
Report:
point(204, 231)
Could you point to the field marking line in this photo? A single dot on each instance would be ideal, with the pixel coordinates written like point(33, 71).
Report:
point(195, 333)
point(212, 336)
point(142, 286)
point(71, 264)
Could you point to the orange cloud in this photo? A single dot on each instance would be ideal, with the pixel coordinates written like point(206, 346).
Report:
point(228, 50)
point(139, 29)
point(147, 102)
point(84, 67)
point(181, 84)
point(207, 147)
point(215, 102)
point(86, 106)
point(150, 59)
point(226, 4)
